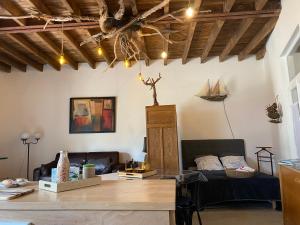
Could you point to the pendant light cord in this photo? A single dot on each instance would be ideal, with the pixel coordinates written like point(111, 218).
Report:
point(227, 118)
point(62, 39)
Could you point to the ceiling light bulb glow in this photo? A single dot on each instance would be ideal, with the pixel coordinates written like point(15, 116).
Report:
point(189, 12)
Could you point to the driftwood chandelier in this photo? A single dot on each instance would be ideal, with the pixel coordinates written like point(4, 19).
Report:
point(125, 27)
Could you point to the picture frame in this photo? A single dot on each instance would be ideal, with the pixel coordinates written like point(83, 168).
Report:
point(92, 115)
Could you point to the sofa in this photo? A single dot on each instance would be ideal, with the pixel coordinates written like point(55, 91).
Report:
point(105, 162)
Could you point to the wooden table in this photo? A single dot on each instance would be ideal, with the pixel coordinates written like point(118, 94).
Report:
point(114, 202)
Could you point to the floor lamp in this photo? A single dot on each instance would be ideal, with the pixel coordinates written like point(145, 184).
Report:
point(27, 139)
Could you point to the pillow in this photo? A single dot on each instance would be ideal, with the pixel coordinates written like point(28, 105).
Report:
point(208, 162)
point(233, 162)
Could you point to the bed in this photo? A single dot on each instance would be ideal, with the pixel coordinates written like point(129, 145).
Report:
point(220, 188)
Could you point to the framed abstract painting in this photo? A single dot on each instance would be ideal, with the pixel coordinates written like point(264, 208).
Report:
point(92, 115)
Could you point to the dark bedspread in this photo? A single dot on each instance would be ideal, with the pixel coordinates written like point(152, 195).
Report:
point(221, 188)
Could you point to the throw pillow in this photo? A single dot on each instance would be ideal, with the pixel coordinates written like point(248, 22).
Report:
point(233, 162)
point(208, 162)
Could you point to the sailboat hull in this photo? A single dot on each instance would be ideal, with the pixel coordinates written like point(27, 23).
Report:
point(216, 98)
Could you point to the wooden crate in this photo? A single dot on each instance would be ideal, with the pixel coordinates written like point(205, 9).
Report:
point(69, 185)
point(136, 175)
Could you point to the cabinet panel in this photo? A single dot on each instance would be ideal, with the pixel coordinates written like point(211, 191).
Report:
point(162, 140)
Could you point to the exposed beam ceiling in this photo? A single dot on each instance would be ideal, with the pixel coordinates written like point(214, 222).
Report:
point(266, 30)
point(231, 28)
point(4, 67)
point(74, 9)
point(19, 56)
point(239, 33)
point(190, 33)
point(34, 50)
point(261, 53)
point(12, 62)
point(228, 4)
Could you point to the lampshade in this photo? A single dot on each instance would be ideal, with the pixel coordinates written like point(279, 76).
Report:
point(25, 135)
point(37, 135)
point(145, 145)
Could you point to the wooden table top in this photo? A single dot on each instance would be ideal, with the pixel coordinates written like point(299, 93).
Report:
point(110, 195)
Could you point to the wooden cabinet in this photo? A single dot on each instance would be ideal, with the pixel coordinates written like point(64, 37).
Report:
point(290, 194)
point(162, 139)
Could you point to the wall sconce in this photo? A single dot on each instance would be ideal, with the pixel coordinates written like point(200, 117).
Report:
point(28, 139)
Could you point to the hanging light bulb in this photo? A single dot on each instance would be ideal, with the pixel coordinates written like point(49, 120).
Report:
point(140, 76)
point(100, 51)
point(164, 55)
point(61, 59)
point(189, 12)
point(126, 63)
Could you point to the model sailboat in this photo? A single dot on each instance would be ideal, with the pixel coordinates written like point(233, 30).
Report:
point(216, 93)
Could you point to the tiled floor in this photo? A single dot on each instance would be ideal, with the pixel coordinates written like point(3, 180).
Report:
point(240, 217)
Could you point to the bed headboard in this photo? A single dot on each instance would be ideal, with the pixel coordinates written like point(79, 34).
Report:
point(217, 147)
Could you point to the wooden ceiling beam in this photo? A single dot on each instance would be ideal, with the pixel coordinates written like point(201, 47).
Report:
point(212, 39)
point(236, 36)
point(261, 53)
point(91, 25)
point(266, 30)
point(77, 46)
point(74, 9)
point(168, 27)
point(260, 4)
point(19, 56)
point(34, 50)
point(14, 10)
point(57, 50)
point(239, 33)
point(5, 68)
point(190, 33)
point(10, 61)
point(39, 5)
point(228, 4)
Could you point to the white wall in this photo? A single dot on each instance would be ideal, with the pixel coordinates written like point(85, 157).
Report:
point(40, 101)
point(287, 23)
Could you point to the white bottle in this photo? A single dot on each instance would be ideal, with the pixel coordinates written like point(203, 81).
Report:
point(63, 167)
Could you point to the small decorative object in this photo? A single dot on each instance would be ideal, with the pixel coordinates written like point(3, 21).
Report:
point(239, 173)
point(216, 93)
point(14, 183)
point(63, 167)
point(54, 175)
point(263, 155)
point(28, 139)
point(88, 171)
point(69, 185)
point(92, 115)
point(152, 83)
point(74, 173)
point(274, 112)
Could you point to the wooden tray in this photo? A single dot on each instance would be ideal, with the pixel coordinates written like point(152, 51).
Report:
point(69, 185)
point(136, 175)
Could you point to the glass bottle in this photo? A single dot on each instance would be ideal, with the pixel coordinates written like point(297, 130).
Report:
point(63, 167)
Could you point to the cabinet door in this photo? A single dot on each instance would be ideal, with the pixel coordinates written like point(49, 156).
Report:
point(162, 138)
point(290, 194)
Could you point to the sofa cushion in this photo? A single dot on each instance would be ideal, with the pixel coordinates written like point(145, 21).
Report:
point(102, 165)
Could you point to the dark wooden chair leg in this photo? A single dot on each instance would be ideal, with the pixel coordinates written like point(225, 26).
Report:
point(199, 218)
